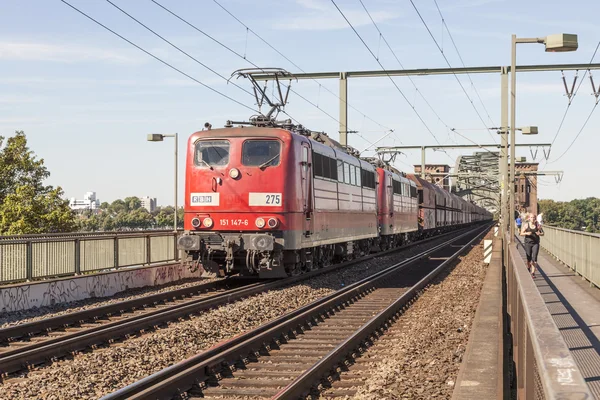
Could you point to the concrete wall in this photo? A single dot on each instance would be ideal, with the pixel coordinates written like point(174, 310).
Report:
point(46, 293)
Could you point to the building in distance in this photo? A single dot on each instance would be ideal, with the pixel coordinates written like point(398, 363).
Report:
point(149, 203)
point(89, 203)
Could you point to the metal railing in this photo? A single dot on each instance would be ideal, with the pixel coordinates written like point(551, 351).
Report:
point(544, 367)
point(30, 257)
point(580, 251)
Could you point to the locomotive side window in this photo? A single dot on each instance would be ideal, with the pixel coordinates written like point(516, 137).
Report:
point(340, 171)
point(346, 173)
point(358, 180)
point(397, 187)
point(368, 178)
point(261, 153)
point(352, 175)
point(413, 191)
point(317, 160)
point(211, 153)
point(324, 167)
point(333, 168)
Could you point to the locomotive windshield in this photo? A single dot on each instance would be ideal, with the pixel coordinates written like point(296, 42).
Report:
point(212, 153)
point(261, 153)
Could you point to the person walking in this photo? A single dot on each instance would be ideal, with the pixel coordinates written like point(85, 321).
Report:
point(532, 232)
point(518, 221)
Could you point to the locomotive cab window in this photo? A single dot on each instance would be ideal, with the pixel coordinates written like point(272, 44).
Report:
point(212, 153)
point(261, 153)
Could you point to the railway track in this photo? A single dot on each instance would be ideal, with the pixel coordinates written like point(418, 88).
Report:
point(24, 346)
point(288, 358)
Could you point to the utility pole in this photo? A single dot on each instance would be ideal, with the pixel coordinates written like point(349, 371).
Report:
point(343, 109)
point(504, 143)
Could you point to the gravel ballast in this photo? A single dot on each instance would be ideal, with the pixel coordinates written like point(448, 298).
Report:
point(424, 360)
point(94, 374)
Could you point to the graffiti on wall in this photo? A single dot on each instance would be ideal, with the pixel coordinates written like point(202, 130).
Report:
point(38, 294)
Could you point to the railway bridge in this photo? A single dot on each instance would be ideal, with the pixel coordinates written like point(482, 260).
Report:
point(529, 338)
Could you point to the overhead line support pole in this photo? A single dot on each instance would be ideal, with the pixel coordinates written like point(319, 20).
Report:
point(513, 107)
point(423, 162)
point(504, 142)
point(343, 109)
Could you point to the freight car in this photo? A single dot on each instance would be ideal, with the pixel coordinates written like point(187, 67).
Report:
point(279, 201)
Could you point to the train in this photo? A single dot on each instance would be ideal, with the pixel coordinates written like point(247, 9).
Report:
point(278, 201)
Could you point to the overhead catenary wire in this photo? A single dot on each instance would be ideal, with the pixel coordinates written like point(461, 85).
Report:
point(449, 65)
point(391, 79)
point(245, 58)
point(382, 37)
point(383, 68)
point(294, 64)
point(158, 58)
point(463, 63)
point(573, 96)
point(178, 48)
point(576, 136)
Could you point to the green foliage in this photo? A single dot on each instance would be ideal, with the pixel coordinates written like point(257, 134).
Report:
point(27, 206)
point(129, 214)
point(579, 214)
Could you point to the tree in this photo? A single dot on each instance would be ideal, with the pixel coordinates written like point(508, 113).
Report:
point(26, 204)
point(132, 203)
point(579, 214)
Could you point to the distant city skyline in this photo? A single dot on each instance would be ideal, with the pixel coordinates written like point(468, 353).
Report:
point(86, 99)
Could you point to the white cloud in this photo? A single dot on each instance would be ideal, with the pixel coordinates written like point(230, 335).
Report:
point(22, 51)
point(322, 15)
point(14, 99)
point(85, 82)
point(470, 4)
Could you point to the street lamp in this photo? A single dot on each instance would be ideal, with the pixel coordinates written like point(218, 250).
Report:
point(554, 43)
point(157, 137)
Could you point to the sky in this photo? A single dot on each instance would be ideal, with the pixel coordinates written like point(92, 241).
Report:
point(86, 98)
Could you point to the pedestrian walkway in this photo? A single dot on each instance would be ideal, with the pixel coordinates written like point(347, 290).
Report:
point(575, 308)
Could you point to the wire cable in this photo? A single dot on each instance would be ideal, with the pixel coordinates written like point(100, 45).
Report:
point(296, 65)
point(576, 136)
point(388, 75)
point(245, 58)
point(248, 29)
point(158, 59)
point(449, 65)
point(178, 48)
point(463, 63)
point(573, 96)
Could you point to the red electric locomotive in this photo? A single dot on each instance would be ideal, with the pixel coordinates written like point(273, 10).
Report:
point(279, 201)
point(274, 202)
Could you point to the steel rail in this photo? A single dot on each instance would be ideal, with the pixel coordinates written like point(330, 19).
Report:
point(29, 329)
point(321, 369)
point(25, 357)
point(178, 378)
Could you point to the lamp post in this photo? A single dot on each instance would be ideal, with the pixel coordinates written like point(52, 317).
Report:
point(554, 43)
point(157, 137)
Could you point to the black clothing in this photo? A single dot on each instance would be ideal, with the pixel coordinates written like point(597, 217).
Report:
point(532, 242)
point(534, 238)
point(532, 250)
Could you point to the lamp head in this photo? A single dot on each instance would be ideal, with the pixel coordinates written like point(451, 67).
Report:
point(155, 137)
point(561, 42)
point(529, 130)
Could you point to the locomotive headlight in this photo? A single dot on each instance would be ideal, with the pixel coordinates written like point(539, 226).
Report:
point(196, 222)
point(234, 173)
point(260, 223)
point(272, 222)
point(208, 222)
